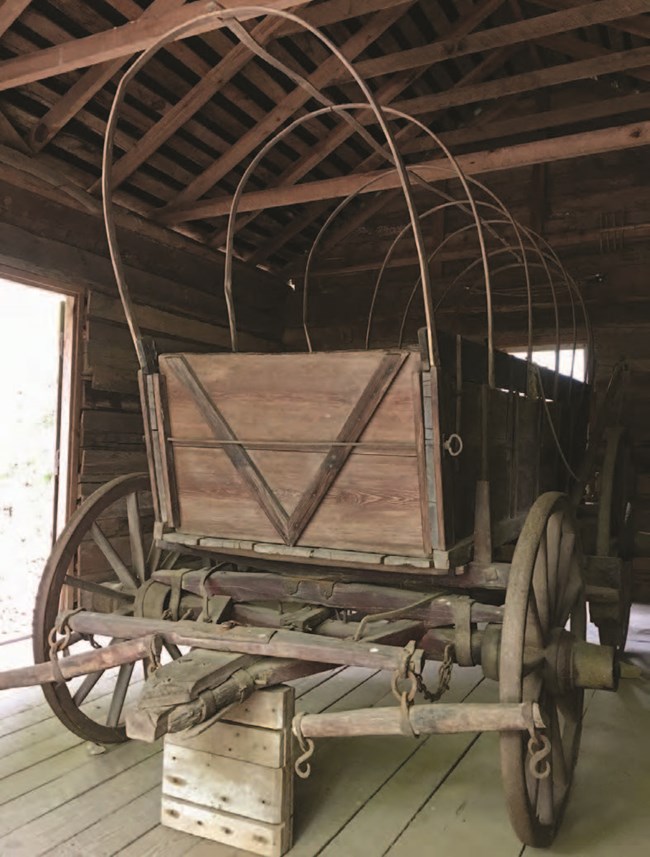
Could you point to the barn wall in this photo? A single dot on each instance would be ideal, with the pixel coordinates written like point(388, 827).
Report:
point(593, 213)
point(178, 303)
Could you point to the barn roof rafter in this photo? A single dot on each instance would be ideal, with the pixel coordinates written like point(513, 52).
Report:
point(483, 74)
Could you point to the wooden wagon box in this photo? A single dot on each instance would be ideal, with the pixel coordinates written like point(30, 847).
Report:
point(341, 456)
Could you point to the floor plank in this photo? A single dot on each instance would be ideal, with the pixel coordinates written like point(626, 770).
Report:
point(112, 833)
point(608, 811)
point(48, 831)
point(367, 797)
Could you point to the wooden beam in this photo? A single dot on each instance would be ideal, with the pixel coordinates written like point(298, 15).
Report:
point(295, 99)
point(518, 32)
point(334, 11)
point(632, 233)
point(85, 87)
point(484, 69)
point(10, 10)
point(638, 26)
point(10, 137)
point(180, 210)
point(232, 63)
point(538, 121)
point(529, 81)
point(581, 49)
point(121, 42)
point(474, 163)
point(384, 95)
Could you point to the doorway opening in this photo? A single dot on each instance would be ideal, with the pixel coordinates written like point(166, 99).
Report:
point(36, 351)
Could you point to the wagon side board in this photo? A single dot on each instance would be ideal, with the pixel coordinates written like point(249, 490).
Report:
point(304, 452)
point(341, 459)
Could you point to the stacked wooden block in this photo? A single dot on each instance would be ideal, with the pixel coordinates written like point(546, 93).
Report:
point(233, 782)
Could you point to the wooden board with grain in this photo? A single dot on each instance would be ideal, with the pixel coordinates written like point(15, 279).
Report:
point(318, 479)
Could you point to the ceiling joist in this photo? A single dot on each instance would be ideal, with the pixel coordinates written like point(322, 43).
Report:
point(518, 32)
point(122, 42)
point(86, 87)
point(10, 11)
point(479, 73)
point(475, 163)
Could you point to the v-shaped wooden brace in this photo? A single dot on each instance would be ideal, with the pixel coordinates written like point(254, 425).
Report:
point(291, 527)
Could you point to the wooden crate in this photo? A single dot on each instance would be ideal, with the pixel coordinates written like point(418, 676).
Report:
point(233, 782)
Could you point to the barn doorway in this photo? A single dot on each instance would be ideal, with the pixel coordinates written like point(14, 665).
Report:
point(35, 379)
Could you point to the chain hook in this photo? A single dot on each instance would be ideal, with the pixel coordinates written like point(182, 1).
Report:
point(301, 765)
point(539, 748)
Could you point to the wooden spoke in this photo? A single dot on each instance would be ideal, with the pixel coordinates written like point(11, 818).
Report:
point(135, 535)
point(153, 558)
point(98, 589)
point(535, 629)
point(123, 574)
point(570, 708)
point(557, 749)
point(566, 553)
point(119, 695)
point(570, 594)
point(553, 540)
point(173, 650)
point(170, 559)
point(86, 686)
point(532, 686)
point(540, 586)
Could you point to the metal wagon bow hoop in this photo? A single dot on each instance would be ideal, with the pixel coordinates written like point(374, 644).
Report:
point(233, 15)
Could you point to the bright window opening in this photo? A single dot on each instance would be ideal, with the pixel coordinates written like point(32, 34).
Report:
point(568, 357)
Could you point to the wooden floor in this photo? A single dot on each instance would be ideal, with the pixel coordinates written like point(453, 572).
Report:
point(367, 797)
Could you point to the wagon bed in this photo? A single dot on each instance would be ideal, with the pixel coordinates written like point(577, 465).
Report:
point(348, 457)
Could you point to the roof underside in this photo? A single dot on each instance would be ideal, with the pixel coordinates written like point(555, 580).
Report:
point(195, 116)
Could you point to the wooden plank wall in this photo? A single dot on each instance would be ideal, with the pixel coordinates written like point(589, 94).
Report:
point(177, 288)
point(111, 431)
point(595, 215)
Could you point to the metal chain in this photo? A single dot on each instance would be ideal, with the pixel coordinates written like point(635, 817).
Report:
point(444, 677)
point(63, 629)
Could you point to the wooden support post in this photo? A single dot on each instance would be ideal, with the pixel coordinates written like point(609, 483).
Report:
point(233, 781)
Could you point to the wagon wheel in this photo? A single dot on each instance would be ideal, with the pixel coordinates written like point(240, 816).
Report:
point(614, 536)
point(545, 597)
point(110, 523)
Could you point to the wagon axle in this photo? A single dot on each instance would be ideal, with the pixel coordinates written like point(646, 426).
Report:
point(566, 662)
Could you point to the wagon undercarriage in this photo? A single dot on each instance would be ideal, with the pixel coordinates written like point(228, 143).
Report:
point(210, 632)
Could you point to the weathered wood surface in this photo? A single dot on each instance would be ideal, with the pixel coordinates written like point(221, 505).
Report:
point(439, 718)
point(226, 784)
point(126, 652)
point(233, 782)
point(366, 797)
point(373, 502)
point(254, 641)
point(365, 597)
